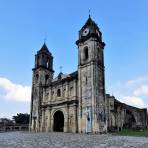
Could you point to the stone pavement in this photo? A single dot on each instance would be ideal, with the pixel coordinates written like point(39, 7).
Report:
point(68, 140)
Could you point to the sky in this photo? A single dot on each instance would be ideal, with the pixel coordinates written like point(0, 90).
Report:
point(26, 24)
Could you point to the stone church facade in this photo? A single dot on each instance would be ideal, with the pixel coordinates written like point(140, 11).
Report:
point(74, 102)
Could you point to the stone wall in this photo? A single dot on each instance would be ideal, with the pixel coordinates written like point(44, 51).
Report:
point(121, 115)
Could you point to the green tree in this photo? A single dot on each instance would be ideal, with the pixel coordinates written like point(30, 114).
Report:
point(21, 118)
point(6, 121)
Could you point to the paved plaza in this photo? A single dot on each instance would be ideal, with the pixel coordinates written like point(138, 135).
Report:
point(68, 140)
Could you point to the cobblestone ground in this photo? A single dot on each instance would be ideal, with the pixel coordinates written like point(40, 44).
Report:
point(68, 140)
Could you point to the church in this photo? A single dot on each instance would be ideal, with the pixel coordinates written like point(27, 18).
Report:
point(77, 102)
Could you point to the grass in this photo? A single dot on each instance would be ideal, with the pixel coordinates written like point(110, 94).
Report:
point(131, 132)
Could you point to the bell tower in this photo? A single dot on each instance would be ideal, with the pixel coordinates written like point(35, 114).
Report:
point(92, 117)
point(42, 77)
point(43, 70)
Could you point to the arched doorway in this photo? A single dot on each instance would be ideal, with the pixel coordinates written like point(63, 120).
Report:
point(130, 121)
point(58, 125)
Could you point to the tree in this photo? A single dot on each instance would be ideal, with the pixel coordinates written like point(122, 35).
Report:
point(21, 118)
point(6, 121)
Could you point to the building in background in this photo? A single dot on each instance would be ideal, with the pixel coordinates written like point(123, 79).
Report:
point(121, 115)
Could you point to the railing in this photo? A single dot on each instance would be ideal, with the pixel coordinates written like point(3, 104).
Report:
point(5, 128)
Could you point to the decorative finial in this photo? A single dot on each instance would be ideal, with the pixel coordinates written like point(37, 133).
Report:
point(89, 12)
point(45, 40)
point(61, 68)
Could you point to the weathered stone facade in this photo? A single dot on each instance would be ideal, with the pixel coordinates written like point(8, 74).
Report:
point(74, 102)
point(121, 115)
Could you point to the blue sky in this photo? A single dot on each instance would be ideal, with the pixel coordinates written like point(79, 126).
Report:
point(25, 24)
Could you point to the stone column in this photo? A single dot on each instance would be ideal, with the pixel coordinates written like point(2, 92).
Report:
point(66, 120)
point(80, 102)
point(49, 120)
point(67, 90)
point(75, 119)
point(50, 95)
point(43, 121)
point(75, 89)
point(20, 128)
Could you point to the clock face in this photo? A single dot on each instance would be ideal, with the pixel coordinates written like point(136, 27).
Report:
point(85, 32)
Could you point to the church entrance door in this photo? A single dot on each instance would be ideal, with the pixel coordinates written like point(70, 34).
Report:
point(58, 125)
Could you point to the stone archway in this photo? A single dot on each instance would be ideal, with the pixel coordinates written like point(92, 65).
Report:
point(58, 124)
point(130, 121)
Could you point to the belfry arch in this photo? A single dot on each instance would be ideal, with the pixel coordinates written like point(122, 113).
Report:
point(58, 121)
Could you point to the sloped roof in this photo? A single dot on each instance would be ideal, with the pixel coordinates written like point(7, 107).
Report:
point(44, 49)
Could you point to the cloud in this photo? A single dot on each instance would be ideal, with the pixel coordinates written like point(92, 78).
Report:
point(12, 91)
point(137, 81)
point(134, 101)
point(6, 115)
point(133, 92)
point(142, 90)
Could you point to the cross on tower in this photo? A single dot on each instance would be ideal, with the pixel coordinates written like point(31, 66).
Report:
point(89, 12)
point(61, 68)
point(45, 40)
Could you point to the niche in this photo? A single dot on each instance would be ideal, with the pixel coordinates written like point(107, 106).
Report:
point(58, 92)
point(71, 91)
point(38, 60)
point(86, 55)
point(46, 78)
point(36, 77)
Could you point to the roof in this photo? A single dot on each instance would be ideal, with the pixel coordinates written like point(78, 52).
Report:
point(65, 77)
point(90, 22)
point(126, 106)
point(44, 49)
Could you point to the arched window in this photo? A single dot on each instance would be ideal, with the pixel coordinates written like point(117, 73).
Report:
point(64, 92)
point(71, 91)
point(86, 80)
point(47, 63)
point(36, 77)
point(86, 55)
point(38, 61)
point(52, 93)
point(58, 92)
point(43, 60)
point(46, 78)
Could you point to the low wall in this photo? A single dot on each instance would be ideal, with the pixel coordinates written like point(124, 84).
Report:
point(6, 128)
